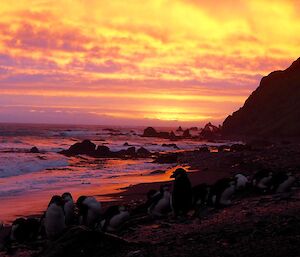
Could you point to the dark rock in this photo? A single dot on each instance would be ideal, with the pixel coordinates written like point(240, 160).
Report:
point(155, 172)
point(186, 134)
point(150, 132)
point(84, 147)
point(131, 151)
point(126, 144)
point(273, 109)
point(34, 150)
point(239, 147)
point(167, 158)
point(103, 151)
point(172, 136)
point(259, 144)
point(204, 149)
point(210, 131)
point(170, 145)
point(223, 148)
point(82, 242)
point(179, 129)
point(143, 152)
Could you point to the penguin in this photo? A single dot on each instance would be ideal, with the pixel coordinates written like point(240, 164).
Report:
point(262, 179)
point(69, 208)
point(160, 202)
point(242, 181)
point(54, 220)
point(24, 230)
point(113, 218)
point(181, 199)
point(221, 192)
point(18, 230)
point(89, 210)
point(282, 182)
point(200, 195)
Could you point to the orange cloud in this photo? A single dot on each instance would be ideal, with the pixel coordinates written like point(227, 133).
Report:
point(186, 57)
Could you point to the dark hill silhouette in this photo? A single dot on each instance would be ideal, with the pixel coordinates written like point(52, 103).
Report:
point(273, 109)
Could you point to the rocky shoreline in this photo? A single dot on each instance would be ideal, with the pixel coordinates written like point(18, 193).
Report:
point(254, 225)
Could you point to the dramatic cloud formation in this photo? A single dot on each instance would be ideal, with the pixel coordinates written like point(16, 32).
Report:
point(135, 62)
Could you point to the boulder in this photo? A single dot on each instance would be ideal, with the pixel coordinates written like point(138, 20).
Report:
point(172, 136)
point(84, 147)
point(167, 158)
point(34, 150)
point(210, 131)
point(143, 152)
point(150, 132)
point(186, 134)
point(103, 151)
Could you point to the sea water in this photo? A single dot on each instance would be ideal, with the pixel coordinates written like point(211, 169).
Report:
point(28, 180)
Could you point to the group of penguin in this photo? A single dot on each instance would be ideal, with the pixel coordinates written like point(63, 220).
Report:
point(185, 198)
point(63, 212)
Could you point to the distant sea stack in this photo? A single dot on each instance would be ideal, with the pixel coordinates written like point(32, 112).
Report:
point(272, 110)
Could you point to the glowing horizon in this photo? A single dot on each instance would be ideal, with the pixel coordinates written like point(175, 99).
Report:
point(157, 62)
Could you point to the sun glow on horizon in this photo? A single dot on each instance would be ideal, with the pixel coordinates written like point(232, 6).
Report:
point(159, 60)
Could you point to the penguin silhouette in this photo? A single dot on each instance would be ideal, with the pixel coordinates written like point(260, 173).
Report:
point(54, 221)
point(160, 202)
point(113, 218)
point(182, 193)
point(89, 210)
point(69, 208)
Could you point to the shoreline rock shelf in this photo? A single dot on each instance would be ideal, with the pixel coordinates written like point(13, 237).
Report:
point(101, 151)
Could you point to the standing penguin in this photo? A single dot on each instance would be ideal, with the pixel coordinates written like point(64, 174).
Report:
point(182, 192)
point(113, 218)
point(282, 182)
point(54, 221)
point(262, 179)
point(241, 181)
point(222, 191)
point(68, 208)
point(24, 230)
point(200, 194)
point(89, 210)
point(160, 202)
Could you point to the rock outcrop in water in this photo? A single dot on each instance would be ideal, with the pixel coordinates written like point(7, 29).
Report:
point(86, 147)
point(210, 131)
point(273, 109)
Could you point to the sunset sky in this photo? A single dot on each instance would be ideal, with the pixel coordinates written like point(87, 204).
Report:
point(156, 62)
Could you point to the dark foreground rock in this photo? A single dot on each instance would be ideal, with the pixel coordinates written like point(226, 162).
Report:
point(82, 242)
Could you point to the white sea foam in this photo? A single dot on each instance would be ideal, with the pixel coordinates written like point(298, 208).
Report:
point(13, 164)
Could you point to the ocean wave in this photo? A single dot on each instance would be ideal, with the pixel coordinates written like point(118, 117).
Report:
point(14, 164)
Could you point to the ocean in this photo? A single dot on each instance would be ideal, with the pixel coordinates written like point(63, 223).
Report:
point(28, 180)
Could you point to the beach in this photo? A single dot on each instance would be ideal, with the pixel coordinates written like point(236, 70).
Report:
point(246, 227)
